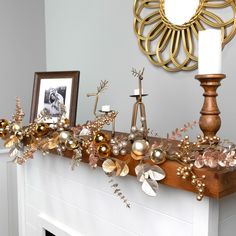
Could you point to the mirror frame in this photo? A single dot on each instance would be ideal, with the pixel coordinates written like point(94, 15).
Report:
point(161, 32)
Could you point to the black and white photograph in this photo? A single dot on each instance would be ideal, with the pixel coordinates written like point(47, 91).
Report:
point(55, 91)
point(54, 98)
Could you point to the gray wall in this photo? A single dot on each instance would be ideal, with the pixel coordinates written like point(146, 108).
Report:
point(97, 38)
point(22, 52)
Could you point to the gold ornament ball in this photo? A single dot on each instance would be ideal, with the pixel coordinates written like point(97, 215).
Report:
point(157, 155)
point(104, 150)
point(3, 133)
point(3, 123)
point(19, 135)
point(66, 121)
point(140, 147)
point(71, 144)
point(64, 135)
point(15, 127)
point(27, 139)
point(41, 129)
point(101, 137)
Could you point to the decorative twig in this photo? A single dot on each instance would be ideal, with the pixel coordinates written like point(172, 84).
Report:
point(138, 74)
point(100, 89)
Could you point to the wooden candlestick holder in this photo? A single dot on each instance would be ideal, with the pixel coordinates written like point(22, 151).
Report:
point(210, 121)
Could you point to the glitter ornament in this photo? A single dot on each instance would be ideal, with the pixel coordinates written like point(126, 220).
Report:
point(3, 123)
point(101, 137)
point(71, 144)
point(41, 129)
point(104, 150)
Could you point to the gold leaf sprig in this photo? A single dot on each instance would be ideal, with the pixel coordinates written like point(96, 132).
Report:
point(18, 116)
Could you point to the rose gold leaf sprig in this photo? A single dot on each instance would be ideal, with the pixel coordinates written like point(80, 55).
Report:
point(117, 191)
point(93, 156)
point(179, 133)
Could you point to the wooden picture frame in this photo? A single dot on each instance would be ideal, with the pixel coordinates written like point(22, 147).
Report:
point(52, 88)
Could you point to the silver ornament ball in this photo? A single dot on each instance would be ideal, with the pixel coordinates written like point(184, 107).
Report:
point(140, 147)
point(133, 129)
point(115, 152)
point(141, 129)
point(131, 136)
point(157, 155)
point(123, 152)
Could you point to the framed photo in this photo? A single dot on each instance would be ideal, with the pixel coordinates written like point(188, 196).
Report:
point(52, 89)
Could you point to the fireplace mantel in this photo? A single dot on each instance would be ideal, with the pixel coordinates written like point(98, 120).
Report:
point(219, 182)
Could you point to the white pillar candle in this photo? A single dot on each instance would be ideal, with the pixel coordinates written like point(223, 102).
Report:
point(136, 92)
point(209, 52)
point(106, 108)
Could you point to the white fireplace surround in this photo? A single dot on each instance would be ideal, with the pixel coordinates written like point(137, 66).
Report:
point(55, 227)
point(80, 202)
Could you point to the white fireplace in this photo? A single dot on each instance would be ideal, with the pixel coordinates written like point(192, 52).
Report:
point(81, 202)
point(52, 227)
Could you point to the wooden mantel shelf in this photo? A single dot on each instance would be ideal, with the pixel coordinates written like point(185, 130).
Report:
point(219, 182)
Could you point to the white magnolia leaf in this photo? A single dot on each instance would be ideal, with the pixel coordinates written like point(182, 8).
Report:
point(138, 169)
point(150, 187)
point(143, 168)
point(156, 173)
point(146, 167)
point(85, 132)
point(125, 170)
point(140, 176)
point(146, 175)
point(14, 152)
point(108, 166)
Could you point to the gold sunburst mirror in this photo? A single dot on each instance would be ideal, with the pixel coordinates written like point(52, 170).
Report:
point(171, 42)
